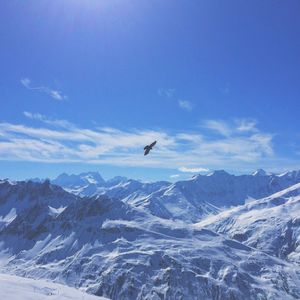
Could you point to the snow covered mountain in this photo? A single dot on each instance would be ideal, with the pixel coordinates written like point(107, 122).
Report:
point(271, 224)
point(91, 184)
point(138, 241)
point(188, 200)
point(193, 199)
point(224, 190)
point(113, 249)
point(17, 198)
point(84, 184)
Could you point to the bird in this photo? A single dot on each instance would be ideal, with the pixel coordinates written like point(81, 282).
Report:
point(148, 148)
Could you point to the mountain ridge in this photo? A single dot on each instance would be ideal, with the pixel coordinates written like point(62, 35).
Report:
point(190, 199)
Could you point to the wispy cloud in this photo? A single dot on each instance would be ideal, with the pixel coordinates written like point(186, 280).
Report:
point(55, 94)
point(26, 83)
point(168, 93)
point(193, 170)
point(174, 176)
point(56, 140)
point(245, 125)
point(171, 94)
point(58, 95)
point(187, 105)
point(227, 129)
point(49, 121)
point(218, 126)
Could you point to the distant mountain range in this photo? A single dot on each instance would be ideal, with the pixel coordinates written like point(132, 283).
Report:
point(187, 200)
point(215, 236)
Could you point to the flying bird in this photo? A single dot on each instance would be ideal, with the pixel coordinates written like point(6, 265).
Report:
point(149, 147)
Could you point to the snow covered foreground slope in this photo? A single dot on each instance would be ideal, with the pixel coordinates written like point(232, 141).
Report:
point(114, 249)
point(188, 200)
point(19, 288)
point(271, 224)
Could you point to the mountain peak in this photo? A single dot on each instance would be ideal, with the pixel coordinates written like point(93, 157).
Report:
point(218, 173)
point(260, 172)
point(116, 180)
point(66, 180)
point(92, 177)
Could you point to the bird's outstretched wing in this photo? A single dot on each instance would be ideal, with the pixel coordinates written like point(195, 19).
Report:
point(153, 144)
point(147, 150)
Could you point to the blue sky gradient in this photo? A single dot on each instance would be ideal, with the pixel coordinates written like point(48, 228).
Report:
point(85, 84)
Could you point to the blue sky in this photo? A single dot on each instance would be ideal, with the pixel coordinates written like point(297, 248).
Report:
point(84, 85)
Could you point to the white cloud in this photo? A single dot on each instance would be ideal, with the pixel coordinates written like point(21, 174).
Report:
point(168, 93)
point(219, 126)
point(228, 129)
point(192, 170)
point(61, 141)
point(245, 125)
point(174, 176)
point(30, 115)
point(187, 105)
point(26, 82)
point(46, 120)
point(57, 95)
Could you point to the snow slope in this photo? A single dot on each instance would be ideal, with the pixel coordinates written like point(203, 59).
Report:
point(271, 224)
point(19, 288)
